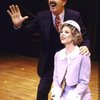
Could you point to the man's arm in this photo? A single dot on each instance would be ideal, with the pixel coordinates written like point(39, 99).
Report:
point(85, 45)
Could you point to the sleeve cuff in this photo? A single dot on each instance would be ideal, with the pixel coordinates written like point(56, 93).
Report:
point(17, 27)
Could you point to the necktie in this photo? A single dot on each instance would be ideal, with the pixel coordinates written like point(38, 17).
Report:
point(57, 23)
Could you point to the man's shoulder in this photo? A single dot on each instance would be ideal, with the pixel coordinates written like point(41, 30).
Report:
point(71, 11)
point(43, 13)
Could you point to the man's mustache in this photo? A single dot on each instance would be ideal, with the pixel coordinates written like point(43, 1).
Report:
point(52, 3)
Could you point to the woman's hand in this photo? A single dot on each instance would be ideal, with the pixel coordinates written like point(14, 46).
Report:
point(73, 96)
point(56, 93)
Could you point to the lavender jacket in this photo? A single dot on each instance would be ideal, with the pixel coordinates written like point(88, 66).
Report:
point(78, 72)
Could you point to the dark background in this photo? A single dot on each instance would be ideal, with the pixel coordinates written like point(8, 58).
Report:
point(10, 42)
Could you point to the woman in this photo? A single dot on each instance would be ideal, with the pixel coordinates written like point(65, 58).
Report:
point(71, 66)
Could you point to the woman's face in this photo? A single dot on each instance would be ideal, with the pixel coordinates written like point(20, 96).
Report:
point(56, 6)
point(66, 35)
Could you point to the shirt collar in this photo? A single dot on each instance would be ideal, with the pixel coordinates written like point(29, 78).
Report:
point(64, 55)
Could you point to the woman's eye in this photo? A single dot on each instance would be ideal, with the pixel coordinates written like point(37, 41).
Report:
point(66, 32)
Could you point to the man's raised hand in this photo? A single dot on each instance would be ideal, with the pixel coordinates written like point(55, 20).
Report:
point(16, 16)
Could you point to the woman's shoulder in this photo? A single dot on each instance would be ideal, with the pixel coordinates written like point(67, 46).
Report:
point(61, 53)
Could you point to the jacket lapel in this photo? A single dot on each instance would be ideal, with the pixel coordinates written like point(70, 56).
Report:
point(66, 15)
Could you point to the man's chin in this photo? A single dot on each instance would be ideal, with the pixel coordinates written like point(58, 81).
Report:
point(53, 10)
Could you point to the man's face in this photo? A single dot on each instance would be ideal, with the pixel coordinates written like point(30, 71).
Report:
point(56, 6)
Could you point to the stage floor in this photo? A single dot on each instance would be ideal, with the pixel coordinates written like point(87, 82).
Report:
point(19, 79)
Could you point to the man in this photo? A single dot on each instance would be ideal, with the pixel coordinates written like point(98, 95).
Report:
point(44, 23)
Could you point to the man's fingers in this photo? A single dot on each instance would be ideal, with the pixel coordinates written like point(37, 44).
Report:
point(14, 9)
point(11, 9)
point(9, 12)
point(17, 8)
point(26, 17)
point(84, 51)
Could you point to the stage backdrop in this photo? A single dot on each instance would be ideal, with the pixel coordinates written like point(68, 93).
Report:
point(27, 45)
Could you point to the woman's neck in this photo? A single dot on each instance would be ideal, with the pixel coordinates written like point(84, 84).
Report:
point(70, 48)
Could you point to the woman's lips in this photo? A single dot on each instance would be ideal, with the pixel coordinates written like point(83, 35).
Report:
point(62, 38)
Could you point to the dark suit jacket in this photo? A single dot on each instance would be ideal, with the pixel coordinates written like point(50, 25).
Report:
point(42, 24)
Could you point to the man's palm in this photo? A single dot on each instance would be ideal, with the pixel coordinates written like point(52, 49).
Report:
point(16, 16)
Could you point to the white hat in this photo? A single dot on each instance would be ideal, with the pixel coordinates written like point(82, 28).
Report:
point(73, 23)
